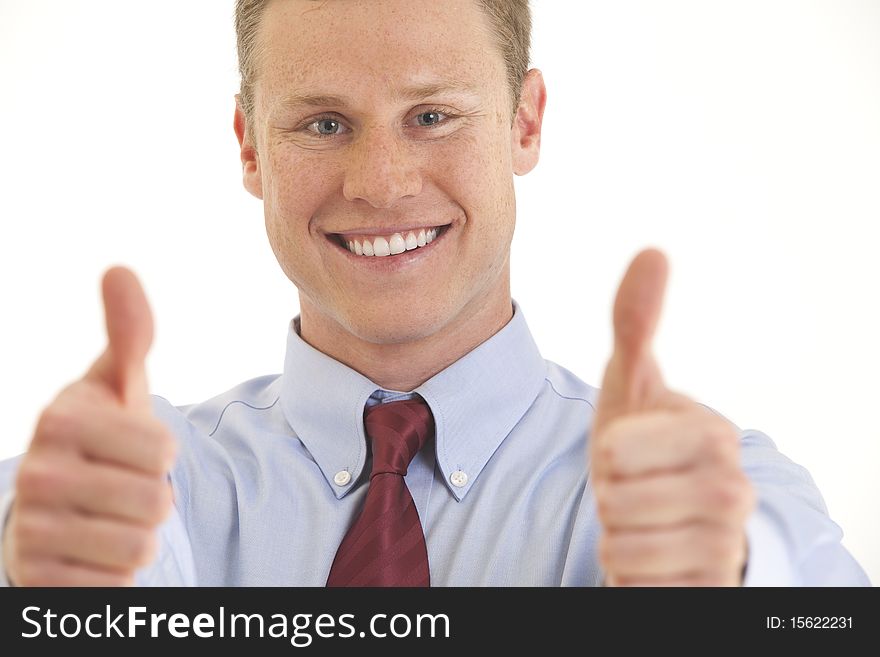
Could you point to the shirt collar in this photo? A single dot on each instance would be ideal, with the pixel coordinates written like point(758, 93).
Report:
point(476, 402)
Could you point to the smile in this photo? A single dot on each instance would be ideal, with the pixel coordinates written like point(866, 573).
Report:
point(390, 245)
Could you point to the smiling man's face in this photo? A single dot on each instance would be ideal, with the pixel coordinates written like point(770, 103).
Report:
point(378, 124)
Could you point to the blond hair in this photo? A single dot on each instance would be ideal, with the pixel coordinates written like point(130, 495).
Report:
point(511, 22)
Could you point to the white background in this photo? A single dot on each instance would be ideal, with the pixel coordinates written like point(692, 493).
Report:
point(742, 138)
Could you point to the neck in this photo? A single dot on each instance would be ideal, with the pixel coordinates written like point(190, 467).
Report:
point(405, 365)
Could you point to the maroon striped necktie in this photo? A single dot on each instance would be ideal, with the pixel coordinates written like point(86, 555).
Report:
point(386, 544)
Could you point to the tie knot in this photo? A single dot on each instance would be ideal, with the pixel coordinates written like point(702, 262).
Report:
point(397, 431)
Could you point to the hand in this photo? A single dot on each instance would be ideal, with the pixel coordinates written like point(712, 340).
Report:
point(671, 496)
point(92, 487)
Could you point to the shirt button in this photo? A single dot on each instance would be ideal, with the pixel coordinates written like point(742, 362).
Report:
point(458, 478)
point(342, 477)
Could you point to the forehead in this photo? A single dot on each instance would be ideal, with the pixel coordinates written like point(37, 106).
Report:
point(340, 46)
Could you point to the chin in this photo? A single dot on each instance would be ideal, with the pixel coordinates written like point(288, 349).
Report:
point(396, 324)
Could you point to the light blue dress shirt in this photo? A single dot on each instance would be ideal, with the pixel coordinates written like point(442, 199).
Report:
point(272, 473)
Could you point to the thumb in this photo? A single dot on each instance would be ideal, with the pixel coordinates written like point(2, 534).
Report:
point(122, 367)
point(632, 379)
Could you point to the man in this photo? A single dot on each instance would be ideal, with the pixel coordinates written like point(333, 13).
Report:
point(382, 137)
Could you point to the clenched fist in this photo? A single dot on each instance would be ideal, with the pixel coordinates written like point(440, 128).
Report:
point(672, 498)
point(92, 487)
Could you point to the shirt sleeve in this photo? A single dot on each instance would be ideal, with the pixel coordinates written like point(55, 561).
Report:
point(792, 540)
point(768, 559)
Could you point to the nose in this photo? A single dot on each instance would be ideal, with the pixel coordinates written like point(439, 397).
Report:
point(382, 169)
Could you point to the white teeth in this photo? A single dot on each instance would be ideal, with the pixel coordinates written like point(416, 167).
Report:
point(380, 247)
point(397, 244)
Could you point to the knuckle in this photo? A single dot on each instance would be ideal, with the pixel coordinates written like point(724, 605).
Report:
point(170, 448)
point(606, 551)
point(603, 499)
point(734, 494)
point(140, 547)
point(723, 547)
point(722, 440)
point(727, 494)
point(608, 450)
point(734, 548)
point(164, 446)
point(30, 530)
point(750, 497)
point(745, 496)
point(34, 478)
point(156, 502)
point(55, 425)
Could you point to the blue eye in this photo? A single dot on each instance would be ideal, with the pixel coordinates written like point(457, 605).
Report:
point(430, 113)
point(330, 123)
point(325, 121)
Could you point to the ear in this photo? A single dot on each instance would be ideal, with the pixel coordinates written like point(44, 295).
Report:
point(250, 159)
point(525, 135)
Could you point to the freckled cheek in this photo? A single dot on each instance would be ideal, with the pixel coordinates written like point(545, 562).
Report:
point(469, 170)
point(294, 190)
point(480, 180)
point(297, 188)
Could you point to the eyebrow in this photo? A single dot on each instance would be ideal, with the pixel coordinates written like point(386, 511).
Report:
point(411, 93)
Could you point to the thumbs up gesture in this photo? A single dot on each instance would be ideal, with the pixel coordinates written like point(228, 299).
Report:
point(671, 496)
point(92, 487)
